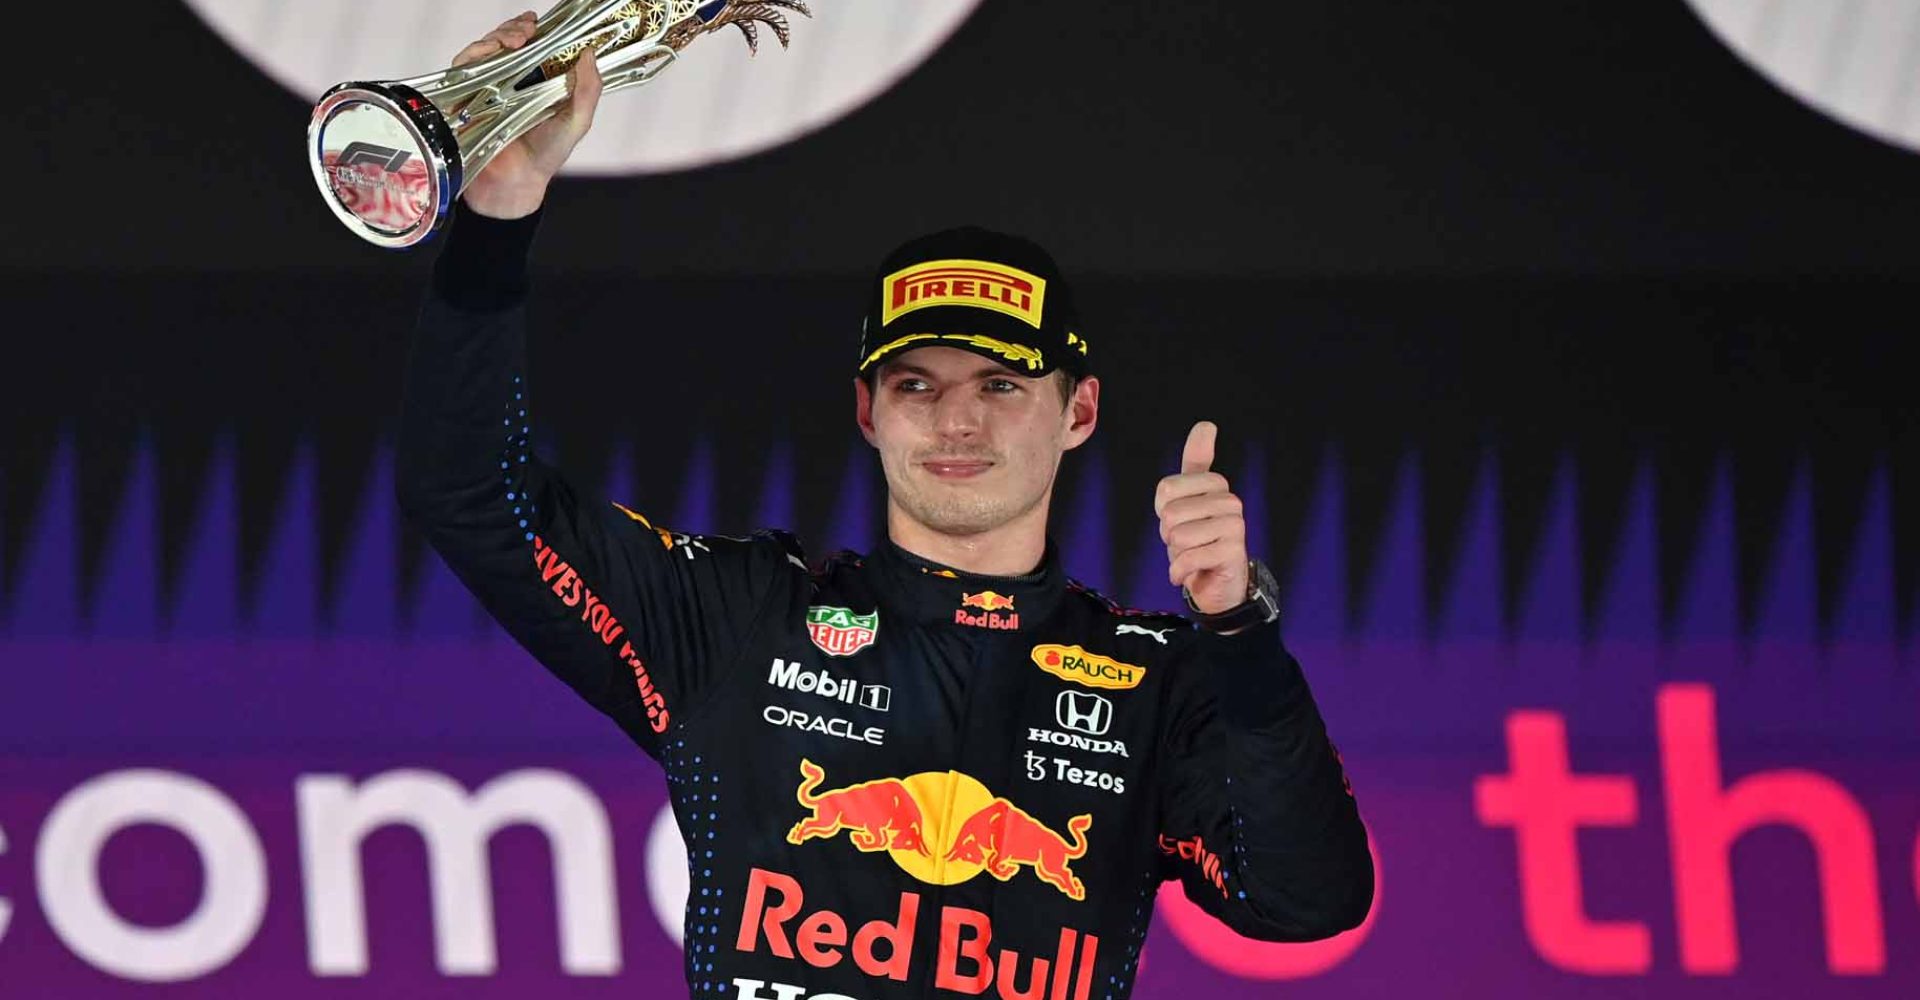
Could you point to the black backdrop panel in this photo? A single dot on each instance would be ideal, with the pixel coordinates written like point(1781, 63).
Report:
point(1132, 136)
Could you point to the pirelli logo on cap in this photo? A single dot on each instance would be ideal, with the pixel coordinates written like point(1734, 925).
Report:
point(975, 283)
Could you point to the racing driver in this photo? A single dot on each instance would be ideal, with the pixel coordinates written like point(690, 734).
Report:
point(943, 769)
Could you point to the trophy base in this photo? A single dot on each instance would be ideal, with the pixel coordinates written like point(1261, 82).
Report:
point(386, 161)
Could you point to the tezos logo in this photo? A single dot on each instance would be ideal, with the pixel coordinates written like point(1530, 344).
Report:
point(715, 104)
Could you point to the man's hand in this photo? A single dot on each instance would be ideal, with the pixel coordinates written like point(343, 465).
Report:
point(1204, 527)
point(515, 183)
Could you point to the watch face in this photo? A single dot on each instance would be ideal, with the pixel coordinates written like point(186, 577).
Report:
point(1261, 581)
point(1266, 591)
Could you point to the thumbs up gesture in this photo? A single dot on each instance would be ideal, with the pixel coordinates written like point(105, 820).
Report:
point(1204, 526)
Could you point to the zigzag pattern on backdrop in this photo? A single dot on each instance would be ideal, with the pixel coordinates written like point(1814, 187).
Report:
point(367, 597)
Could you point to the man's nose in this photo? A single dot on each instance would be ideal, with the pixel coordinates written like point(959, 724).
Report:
point(958, 413)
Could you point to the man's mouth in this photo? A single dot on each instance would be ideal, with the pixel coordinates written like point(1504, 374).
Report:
point(956, 468)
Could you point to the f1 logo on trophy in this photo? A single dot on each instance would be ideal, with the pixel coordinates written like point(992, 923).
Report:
point(391, 158)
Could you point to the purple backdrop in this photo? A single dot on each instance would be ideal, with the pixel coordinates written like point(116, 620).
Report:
point(1554, 799)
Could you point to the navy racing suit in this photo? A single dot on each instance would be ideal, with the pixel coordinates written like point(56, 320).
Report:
point(895, 779)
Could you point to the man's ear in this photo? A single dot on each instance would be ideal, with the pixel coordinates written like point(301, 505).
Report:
point(1083, 412)
point(863, 409)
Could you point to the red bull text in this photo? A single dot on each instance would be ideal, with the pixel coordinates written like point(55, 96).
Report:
point(964, 959)
point(989, 605)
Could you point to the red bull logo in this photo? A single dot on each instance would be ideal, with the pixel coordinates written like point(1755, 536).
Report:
point(1003, 837)
point(989, 605)
point(964, 831)
point(987, 600)
point(881, 815)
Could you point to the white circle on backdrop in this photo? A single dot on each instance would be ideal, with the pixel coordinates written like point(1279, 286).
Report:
point(716, 104)
point(1855, 60)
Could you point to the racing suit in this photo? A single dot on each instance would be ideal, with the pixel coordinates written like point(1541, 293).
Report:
point(894, 779)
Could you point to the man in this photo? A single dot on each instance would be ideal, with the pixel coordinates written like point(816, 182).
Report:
point(940, 770)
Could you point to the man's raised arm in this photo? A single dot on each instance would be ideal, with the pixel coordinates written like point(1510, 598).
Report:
point(1260, 824)
point(637, 619)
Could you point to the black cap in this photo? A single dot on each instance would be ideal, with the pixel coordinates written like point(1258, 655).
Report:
point(999, 296)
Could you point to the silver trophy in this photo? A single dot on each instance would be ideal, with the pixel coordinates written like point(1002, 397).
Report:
point(390, 158)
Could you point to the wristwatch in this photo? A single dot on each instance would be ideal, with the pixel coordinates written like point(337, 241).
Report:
point(1262, 604)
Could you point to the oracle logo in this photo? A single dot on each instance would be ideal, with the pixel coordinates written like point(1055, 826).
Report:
point(1852, 61)
point(717, 104)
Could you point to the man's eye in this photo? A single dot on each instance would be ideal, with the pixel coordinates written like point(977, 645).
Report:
point(1002, 385)
point(910, 385)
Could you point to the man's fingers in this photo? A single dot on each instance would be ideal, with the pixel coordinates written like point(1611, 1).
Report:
point(517, 33)
point(1197, 456)
point(1198, 534)
point(512, 33)
point(477, 51)
point(1205, 506)
point(586, 89)
point(1213, 555)
point(1185, 485)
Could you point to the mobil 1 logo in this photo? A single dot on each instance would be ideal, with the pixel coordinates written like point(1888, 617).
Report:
point(792, 675)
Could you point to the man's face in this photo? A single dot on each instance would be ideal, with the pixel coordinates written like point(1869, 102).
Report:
point(968, 444)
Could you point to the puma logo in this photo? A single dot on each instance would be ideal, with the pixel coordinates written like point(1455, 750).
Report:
point(1159, 635)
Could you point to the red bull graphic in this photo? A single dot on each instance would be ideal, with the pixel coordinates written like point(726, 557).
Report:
point(1071, 663)
point(989, 604)
point(987, 600)
point(963, 962)
point(1002, 837)
point(840, 632)
point(881, 815)
point(943, 828)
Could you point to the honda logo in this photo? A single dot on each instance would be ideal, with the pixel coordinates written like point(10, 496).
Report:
point(1083, 712)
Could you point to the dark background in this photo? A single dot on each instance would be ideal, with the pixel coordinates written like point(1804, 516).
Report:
point(1448, 231)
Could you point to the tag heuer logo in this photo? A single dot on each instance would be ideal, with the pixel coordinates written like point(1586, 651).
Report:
point(1071, 663)
point(840, 632)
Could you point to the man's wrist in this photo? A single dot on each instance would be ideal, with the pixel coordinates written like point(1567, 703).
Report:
point(1255, 679)
point(483, 266)
point(1261, 606)
point(506, 203)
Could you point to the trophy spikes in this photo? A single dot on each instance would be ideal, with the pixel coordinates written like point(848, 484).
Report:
point(391, 158)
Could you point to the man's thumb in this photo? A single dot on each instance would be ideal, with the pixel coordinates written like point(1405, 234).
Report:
point(586, 84)
point(1198, 454)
